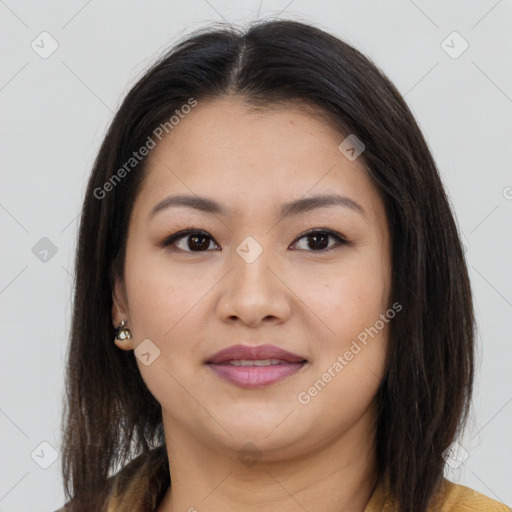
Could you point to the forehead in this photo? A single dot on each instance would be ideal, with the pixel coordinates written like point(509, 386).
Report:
point(229, 130)
point(243, 157)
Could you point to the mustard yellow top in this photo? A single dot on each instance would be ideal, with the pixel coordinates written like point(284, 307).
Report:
point(141, 484)
point(451, 498)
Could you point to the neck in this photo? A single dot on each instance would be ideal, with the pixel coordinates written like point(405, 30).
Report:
point(338, 475)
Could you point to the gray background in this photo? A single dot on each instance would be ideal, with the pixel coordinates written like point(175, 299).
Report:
point(54, 113)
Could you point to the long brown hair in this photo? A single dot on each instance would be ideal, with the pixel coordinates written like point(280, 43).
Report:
point(110, 415)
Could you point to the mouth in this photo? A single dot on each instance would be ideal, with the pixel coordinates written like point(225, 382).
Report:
point(254, 367)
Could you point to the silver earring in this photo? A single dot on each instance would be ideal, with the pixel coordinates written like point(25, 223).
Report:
point(123, 333)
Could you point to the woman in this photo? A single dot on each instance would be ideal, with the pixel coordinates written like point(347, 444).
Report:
point(272, 307)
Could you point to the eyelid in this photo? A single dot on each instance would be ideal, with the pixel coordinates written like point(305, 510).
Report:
point(340, 239)
point(182, 234)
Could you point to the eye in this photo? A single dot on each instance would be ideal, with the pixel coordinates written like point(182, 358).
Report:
point(199, 241)
point(318, 240)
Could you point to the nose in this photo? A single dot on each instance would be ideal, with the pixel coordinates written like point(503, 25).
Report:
point(255, 293)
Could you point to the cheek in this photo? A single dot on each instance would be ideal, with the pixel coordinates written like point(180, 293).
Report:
point(351, 346)
point(347, 301)
point(159, 295)
point(349, 359)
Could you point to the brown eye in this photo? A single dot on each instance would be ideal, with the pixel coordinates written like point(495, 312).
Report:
point(189, 241)
point(318, 240)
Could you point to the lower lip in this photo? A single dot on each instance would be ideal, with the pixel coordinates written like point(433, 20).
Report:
point(255, 376)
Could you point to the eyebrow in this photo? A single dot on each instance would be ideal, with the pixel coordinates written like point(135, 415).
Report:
point(295, 207)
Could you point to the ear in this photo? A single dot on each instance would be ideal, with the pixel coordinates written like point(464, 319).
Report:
point(120, 312)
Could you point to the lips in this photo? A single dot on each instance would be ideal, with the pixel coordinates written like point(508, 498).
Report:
point(255, 367)
point(246, 353)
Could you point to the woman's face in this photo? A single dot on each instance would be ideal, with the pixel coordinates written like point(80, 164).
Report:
point(253, 277)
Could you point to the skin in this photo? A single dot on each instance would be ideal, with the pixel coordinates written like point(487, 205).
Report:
point(318, 456)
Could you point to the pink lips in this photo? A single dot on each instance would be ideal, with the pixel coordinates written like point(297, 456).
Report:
point(253, 376)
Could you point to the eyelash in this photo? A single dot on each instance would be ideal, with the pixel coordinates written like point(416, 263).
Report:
point(340, 240)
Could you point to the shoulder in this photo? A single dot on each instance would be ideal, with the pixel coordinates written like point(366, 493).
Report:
point(139, 485)
point(458, 498)
point(449, 497)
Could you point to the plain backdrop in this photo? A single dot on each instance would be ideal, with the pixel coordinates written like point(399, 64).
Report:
point(54, 111)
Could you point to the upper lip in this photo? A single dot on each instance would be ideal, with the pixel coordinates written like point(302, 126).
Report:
point(252, 353)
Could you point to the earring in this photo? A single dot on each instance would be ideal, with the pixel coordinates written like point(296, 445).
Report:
point(122, 332)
